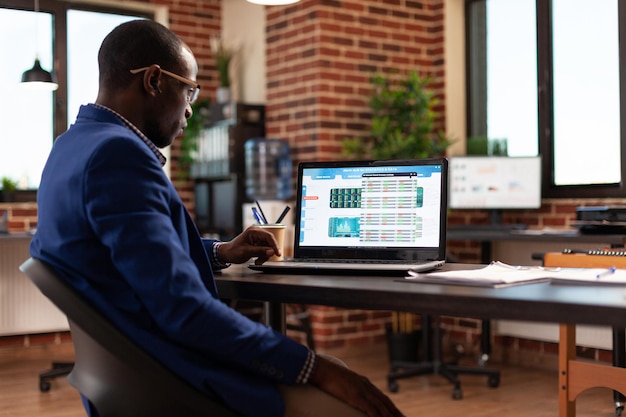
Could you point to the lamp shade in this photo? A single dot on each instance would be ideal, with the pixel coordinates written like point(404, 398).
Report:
point(39, 78)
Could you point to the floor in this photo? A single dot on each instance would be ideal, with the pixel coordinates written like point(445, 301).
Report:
point(522, 391)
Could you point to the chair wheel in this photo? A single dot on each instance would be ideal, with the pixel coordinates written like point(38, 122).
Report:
point(482, 360)
point(457, 394)
point(493, 381)
point(44, 386)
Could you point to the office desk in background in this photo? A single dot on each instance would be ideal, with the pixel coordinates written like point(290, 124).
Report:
point(526, 247)
point(568, 238)
point(567, 305)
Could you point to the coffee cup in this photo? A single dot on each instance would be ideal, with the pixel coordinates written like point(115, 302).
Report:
point(278, 230)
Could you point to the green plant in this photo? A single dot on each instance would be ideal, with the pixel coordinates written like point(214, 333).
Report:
point(198, 121)
point(403, 118)
point(8, 185)
point(223, 55)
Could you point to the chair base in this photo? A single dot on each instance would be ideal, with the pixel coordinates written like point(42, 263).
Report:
point(59, 369)
point(432, 364)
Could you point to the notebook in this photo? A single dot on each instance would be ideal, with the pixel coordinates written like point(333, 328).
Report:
point(377, 217)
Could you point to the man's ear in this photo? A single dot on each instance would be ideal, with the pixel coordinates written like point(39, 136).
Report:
point(152, 80)
point(154, 83)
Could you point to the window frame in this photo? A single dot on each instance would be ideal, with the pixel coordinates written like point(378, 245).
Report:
point(59, 9)
point(476, 105)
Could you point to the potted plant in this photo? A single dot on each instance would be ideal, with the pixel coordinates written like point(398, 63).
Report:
point(223, 55)
point(403, 118)
point(198, 121)
point(9, 186)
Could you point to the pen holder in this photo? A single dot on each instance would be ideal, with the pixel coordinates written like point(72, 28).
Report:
point(403, 347)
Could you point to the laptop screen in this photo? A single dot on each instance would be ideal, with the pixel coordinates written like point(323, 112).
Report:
point(388, 210)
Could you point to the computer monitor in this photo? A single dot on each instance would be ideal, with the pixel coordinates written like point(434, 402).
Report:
point(494, 183)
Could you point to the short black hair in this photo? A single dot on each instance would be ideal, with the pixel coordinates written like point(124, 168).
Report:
point(137, 44)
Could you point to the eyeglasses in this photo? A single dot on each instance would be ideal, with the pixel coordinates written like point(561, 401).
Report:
point(192, 93)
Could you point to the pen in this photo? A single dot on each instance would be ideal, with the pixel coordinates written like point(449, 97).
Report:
point(261, 212)
point(609, 271)
point(283, 214)
point(258, 217)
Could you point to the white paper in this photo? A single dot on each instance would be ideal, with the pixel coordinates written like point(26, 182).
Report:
point(495, 274)
point(590, 276)
point(499, 274)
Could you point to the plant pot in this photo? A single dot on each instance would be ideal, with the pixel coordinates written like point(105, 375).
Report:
point(403, 347)
point(222, 94)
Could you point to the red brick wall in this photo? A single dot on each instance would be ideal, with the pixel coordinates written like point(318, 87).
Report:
point(195, 22)
point(321, 55)
point(22, 217)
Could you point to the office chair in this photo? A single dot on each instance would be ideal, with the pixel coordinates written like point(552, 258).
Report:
point(432, 362)
point(118, 377)
point(58, 369)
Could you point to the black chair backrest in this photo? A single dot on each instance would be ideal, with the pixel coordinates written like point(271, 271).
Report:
point(118, 377)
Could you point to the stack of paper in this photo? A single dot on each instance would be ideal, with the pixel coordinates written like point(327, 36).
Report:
point(495, 275)
point(499, 275)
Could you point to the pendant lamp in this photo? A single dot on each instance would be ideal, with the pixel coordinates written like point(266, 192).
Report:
point(273, 2)
point(37, 77)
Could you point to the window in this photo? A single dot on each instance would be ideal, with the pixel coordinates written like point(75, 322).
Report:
point(586, 92)
point(32, 119)
point(25, 115)
point(85, 32)
point(545, 75)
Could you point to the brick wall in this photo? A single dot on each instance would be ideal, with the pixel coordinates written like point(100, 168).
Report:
point(195, 22)
point(321, 55)
point(21, 217)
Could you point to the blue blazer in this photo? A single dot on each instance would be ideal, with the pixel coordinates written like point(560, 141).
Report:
point(112, 224)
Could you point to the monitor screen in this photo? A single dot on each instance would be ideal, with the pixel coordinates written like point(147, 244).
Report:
point(494, 182)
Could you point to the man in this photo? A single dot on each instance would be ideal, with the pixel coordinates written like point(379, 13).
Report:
point(111, 223)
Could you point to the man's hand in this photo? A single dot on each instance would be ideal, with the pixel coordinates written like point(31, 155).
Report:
point(252, 242)
point(352, 388)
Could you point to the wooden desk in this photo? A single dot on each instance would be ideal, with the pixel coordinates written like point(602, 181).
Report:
point(567, 305)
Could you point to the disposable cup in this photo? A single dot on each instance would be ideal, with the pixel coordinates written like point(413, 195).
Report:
point(278, 230)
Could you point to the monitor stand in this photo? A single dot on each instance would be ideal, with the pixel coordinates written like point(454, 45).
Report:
point(495, 224)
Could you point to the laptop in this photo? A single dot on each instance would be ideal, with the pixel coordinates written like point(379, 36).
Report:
point(368, 217)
